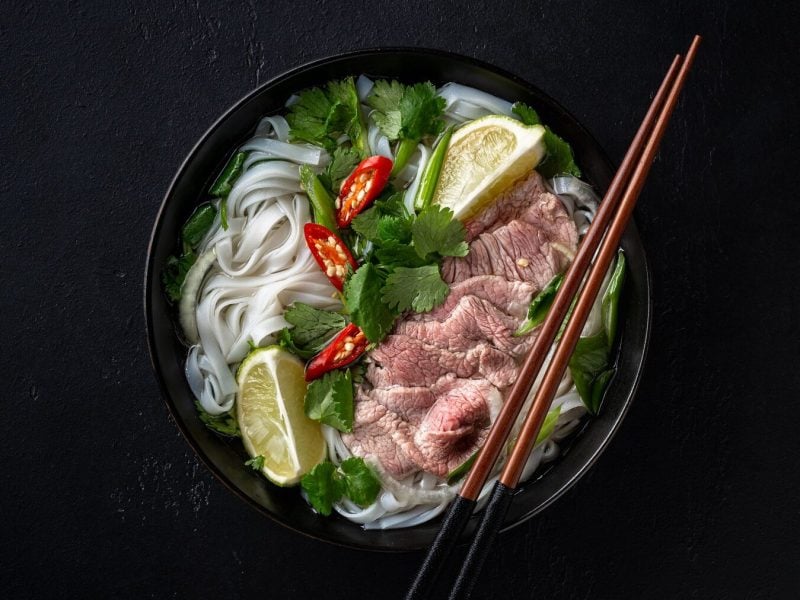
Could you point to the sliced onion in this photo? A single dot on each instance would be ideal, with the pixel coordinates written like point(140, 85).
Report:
point(189, 289)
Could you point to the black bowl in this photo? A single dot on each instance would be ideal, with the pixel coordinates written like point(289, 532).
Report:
point(225, 458)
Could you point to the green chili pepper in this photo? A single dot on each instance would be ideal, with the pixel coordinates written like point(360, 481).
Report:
point(321, 200)
point(430, 177)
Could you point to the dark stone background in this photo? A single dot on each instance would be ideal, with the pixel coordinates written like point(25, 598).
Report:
point(101, 497)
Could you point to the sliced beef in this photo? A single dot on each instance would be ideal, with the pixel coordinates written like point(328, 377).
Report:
point(511, 297)
point(473, 320)
point(433, 387)
point(408, 361)
point(527, 201)
point(517, 251)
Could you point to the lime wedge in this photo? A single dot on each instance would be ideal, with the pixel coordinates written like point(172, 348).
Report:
point(485, 157)
point(269, 408)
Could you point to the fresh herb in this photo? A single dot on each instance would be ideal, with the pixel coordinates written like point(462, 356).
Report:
point(224, 424)
point(559, 158)
point(435, 231)
point(320, 116)
point(548, 425)
point(196, 227)
point(360, 483)
point(418, 288)
point(326, 484)
point(343, 162)
point(323, 487)
point(590, 364)
point(430, 176)
point(256, 463)
point(540, 306)
point(321, 201)
point(361, 291)
point(329, 400)
point(406, 113)
point(174, 274)
point(312, 329)
point(611, 298)
point(408, 249)
point(224, 183)
point(192, 233)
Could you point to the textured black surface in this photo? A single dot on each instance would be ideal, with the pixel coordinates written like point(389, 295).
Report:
point(697, 495)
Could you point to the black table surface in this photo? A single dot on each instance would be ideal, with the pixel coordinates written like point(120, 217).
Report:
point(101, 496)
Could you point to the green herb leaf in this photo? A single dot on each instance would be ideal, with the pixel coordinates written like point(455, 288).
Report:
point(174, 274)
point(611, 298)
point(599, 385)
point(343, 162)
point(435, 230)
point(589, 359)
point(419, 288)
point(540, 306)
point(360, 292)
point(526, 114)
point(329, 400)
point(393, 229)
point(224, 424)
point(360, 483)
point(366, 223)
point(321, 116)
point(396, 254)
point(548, 425)
point(256, 463)
point(385, 99)
point(322, 486)
point(198, 224)
point(313, 329)
point(559, 159)
point(224, 183)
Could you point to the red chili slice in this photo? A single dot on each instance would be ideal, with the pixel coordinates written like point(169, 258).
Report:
point(330, 252)
point(343, 350)
point(358, 191)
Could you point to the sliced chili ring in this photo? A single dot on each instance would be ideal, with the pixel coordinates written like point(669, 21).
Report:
point(345, 348)
point(358, 191)
point(330, 252)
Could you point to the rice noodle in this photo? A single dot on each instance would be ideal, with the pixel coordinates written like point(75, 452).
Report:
point(260, 264)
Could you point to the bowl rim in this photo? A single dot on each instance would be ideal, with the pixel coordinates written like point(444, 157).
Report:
point(150, 266)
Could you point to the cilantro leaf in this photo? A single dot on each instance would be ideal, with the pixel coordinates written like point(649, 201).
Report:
point(326, 484)
point(393, 229)
point(224, 424)
point(329, 400)
point(559, 159)
point(343, 162)
point(525, 113)
point(322, 486)
point(393, 254)
point(366, 223)
point(360, 483)
point(435, 230)
point(419, 288)
point(174, 274)
point(421, 109)
point(360, 292)
point(256, 463)
point(322, 116)
point(385, 99)
point(313, 328)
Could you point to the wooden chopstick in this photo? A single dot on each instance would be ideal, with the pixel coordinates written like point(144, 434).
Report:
point(503, 491)
point(463, 505)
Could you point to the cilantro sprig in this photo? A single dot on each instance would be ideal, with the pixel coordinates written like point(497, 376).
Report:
point(403, 269)
point(311, 329)
point(321, 115)
point(559, 158)
point(406, 113)
point(326, 484)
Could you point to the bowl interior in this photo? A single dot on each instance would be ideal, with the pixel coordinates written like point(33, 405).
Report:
point(224, 457)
